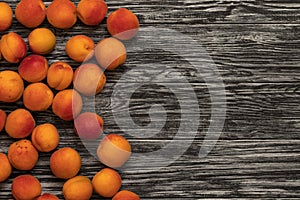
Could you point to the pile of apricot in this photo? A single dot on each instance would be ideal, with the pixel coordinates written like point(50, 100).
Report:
point(59, 87)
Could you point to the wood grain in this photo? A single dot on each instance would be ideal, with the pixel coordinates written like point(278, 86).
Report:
point(255, 46)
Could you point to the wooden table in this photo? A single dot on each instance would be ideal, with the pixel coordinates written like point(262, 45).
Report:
point(255, 47)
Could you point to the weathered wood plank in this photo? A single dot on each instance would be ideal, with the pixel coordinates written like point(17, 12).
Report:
point(242, 53)
point(250, 167)
point(235, 168)
point(224, 11)
point(269, 111)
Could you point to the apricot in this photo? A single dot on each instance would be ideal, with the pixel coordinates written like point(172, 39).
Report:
point(47, 196)
point(6, 16)
point(30, 13)
point(126, 195)
point(5, 167)
point(65, 163)
point(123, 24)
point(33, 68)
point(110, 53)
point(60, 75)
point(107, 182)
point(26, 187)
point(67, 104)
point(22, 155)
point(91, 12)
point(114, 150)
point(11, 86)
point(62, 14)
point(13, 47)
point(2, 119)
point(37, 97)
point(78, 187)
point(88, 126)
point(41, 41)
point(80, 48)
point(19, 123)
point(45, 137)
point(89, 79)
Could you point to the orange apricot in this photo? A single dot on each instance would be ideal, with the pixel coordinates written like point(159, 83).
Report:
point(60, 75)
point(67, 104)
point(62, 14)
point(41, 41)
point(26, 187)
point(91, 12)
point(123, 24)
point(88, 126)
point(37, 97)
point(107, 182)
point(89, 79)
point(80, 48)
point(13, 47)
point(33, 68)
point(11, 86)
point(22, 155)
point(5, 167)
point(47, 196)
point(78, 187)
point(19, 123)
point(6, 16)
point(30, 13)
point(110, 53)
point(45, 137)
point(126, 195)
point(114, 150)
point(2, 119)
point(65, 163)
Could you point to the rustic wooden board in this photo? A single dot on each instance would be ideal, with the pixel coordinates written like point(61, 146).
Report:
point(255, 45)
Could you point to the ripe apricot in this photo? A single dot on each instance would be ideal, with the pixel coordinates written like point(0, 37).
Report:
point(91, 12)
point(37, 97)
point(33, 68)
point(11, 86)
point(107, 182)
point(123, 24)
point(110, 53)
point(22, 155)
point(6, 16)
point(114, 150)
point(88, 126)
point(126, 195)
point(45, 137)
point(30, 13)
point(62, 14)
point(47, 196)
point(80, 48)
point(19, 123)
point(65, 163)
point(78, 187)
point(5, 167)
point(41, 41)
point(67, 104)
point(26, 187)
point(2, 119)
point(89, 79)
point(13, 47)
point(60, 75)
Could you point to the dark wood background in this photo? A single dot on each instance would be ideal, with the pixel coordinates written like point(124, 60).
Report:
point(256, 47)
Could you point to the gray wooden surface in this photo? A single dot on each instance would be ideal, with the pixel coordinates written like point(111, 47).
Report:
point(256, 47)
